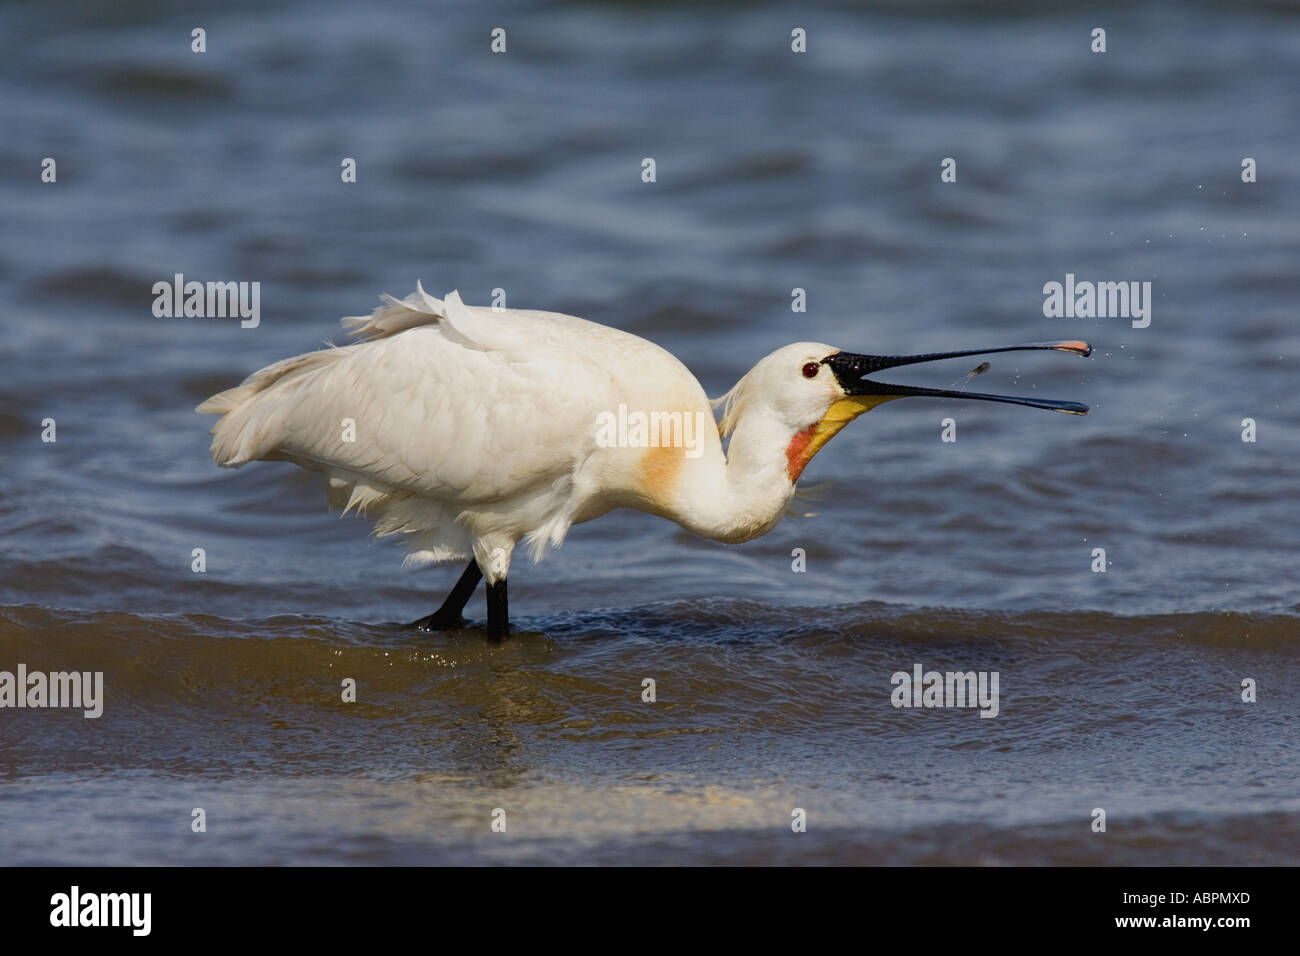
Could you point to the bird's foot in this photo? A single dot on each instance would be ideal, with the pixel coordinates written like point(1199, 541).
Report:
point(438, 621)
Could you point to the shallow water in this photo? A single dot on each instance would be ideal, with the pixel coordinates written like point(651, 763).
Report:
point(1118, 690)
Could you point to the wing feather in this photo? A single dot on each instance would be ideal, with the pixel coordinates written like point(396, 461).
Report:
point(433, 415)
point(446, 422)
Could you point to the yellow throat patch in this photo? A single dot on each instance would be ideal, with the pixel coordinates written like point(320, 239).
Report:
point(809, 442)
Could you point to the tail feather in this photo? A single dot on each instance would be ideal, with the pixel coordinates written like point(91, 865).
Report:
point(245, 430)
point(252, 423)
point(395, 315)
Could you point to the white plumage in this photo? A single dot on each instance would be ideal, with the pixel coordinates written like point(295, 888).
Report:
point(475, 429)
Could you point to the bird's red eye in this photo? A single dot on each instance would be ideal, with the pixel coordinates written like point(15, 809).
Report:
point(811, 369)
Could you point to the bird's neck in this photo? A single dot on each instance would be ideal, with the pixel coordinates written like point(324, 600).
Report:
point(744, 494)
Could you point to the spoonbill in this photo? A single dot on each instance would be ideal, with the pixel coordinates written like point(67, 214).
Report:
point(470, 429)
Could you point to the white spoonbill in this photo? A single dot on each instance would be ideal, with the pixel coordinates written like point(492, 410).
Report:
point(469, 429)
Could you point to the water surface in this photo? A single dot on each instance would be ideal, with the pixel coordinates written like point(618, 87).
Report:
point(774, 171)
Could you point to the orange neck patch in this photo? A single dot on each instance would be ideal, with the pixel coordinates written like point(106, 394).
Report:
point(797, 454)
point(808, 442)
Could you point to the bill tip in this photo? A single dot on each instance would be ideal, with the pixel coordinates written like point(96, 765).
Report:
point(1076, 346)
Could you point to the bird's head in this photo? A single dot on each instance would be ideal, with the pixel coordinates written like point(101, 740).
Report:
point(810, 391)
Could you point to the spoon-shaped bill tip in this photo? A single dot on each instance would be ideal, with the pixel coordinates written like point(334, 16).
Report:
point(1072, 345)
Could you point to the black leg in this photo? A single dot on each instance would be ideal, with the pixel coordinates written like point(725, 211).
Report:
point(498, 612)
point(448, 616)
